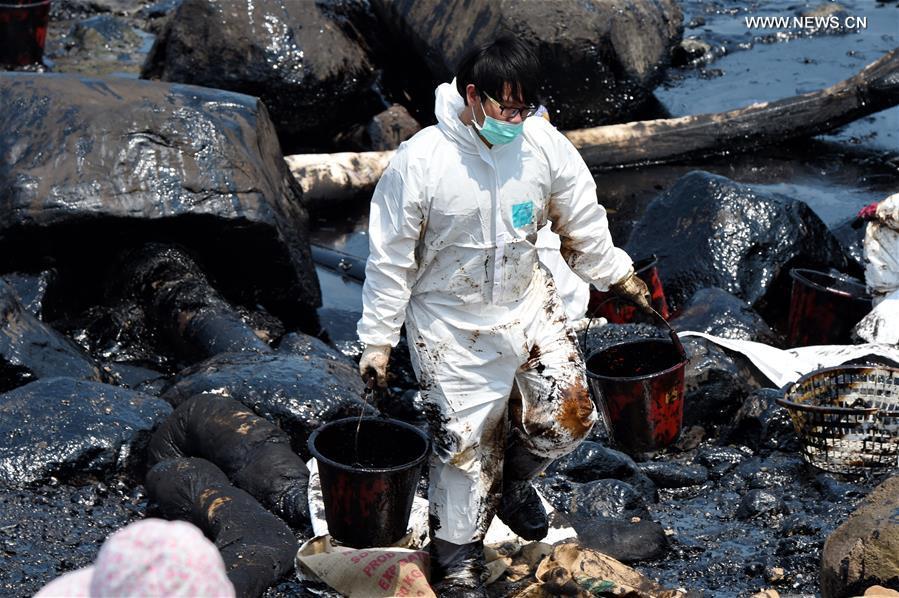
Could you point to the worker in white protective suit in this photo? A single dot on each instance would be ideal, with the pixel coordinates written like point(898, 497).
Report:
point(453, 226)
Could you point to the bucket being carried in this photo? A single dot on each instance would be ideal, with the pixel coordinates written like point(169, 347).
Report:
point(825, 307)
point(618, 311)
point(368, 492)
point(639, 385)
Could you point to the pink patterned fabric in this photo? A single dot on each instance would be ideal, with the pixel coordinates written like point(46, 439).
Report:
point(149, 558)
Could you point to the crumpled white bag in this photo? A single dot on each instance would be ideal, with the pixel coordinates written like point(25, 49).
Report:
point(882, 250)
point(882, 275)
point(882, 324)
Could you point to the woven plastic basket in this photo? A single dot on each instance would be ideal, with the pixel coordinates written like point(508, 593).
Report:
point(847, 417)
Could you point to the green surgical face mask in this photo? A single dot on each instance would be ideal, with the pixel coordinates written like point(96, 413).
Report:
point(497, 132)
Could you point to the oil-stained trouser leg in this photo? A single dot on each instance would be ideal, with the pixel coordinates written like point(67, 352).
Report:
point(553, 414)
point(557, 412)
point(465, 378)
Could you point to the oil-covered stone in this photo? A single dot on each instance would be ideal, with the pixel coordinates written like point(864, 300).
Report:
point(69, 428)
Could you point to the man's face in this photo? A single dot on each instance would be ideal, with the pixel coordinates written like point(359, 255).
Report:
point(498, 108)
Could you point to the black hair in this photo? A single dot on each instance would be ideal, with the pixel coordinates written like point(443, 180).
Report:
point(505, 60)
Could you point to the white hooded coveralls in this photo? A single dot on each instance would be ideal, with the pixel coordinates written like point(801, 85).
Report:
point(452, 228)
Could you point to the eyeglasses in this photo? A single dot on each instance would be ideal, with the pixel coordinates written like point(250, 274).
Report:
point(508, 112)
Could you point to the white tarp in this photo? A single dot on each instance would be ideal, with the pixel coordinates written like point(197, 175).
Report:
point(783, 366)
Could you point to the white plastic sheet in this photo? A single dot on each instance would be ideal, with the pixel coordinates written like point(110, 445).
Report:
point(785, 366)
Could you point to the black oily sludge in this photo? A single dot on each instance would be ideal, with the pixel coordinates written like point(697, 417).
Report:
point(257, 547)
point(253, 452)
point(72, 429)
point(31, 349)
point(297, 392)
point(55, 527)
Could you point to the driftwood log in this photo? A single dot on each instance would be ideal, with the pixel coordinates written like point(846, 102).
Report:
point(330, 178)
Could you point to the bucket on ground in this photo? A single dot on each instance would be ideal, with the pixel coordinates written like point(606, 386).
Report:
point(639, 386)
point(368, 497)
point(23, 31)
point(618, 311)
point(825, 307)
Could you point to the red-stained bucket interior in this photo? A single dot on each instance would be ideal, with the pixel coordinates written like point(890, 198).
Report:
point(23, 31)
point(621, 312)
point(640, 386)
point(824, 308)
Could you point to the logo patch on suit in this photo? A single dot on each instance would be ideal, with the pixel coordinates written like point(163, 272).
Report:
point(522, 214)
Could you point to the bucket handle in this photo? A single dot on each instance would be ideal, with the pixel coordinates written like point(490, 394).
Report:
point(678, 345)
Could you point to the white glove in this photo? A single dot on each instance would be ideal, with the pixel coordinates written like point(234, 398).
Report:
point(373, 364)
point(582, 324)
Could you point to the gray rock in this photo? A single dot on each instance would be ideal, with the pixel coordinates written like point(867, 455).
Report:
point(592, 461)
point(720, 459)
point(96, 165)
point(31, 289)
point(598, 57)
point(666, 474)
point(836, 490)
point(388, 129)
point(607, 498)
point(70, 428)
point(714, 387)
point(101, 45)
point(691, 51)
point(709, 231)
point(851, 235)
point(759, 502)
point(300, 64)
point(625, 541)
point(864, 550)
point(30, 349)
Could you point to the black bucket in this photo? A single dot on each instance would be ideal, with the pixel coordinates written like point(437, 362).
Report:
point(825, 307)
point(368, 497)
point(23, 31)
point(639, 385)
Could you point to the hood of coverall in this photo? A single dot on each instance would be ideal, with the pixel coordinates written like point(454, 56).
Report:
point(448, 106)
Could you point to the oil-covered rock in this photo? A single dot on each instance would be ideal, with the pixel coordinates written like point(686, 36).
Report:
point(72, 429)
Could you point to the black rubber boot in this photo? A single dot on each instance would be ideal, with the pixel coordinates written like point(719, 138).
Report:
point(458, 570)
point(520, 507)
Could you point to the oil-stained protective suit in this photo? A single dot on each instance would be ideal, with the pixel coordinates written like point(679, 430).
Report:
point(452, 229)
